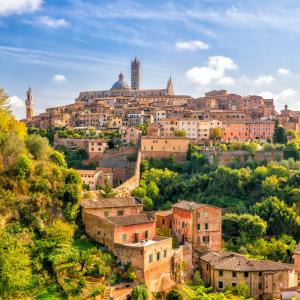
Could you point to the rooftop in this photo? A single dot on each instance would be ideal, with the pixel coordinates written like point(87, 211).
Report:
point(131, 219)
point(164, 137)
point(164, 213)
point(236, 262)
point(188, 205)
point(111, 202)
point(155, 240)
point(88, 172)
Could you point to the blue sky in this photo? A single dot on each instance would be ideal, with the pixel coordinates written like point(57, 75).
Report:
point(60, 48)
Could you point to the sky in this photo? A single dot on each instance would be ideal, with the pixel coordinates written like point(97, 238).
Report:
point(60, 48)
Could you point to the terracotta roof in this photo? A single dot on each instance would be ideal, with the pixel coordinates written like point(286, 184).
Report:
point(88, 172)
point(164, 213)
point(291, 289)
point(111, 202)
point(131, 219)
point(186, 205)
point(236, 262)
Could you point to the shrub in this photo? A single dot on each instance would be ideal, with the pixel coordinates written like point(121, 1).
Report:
point(82, 282)
point(223, 147)
point(196, 281)
point(58, 158)
point(38, 146)
point(73, 177)
point(268, 147)
point(139, 192)
point(23, 165)
point(240, 290)
point(148, 203)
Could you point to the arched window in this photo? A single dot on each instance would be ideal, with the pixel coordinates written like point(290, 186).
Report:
point(233, 101)
point(255, 109)
point(233, 107)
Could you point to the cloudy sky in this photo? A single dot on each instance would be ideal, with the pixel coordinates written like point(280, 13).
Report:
point(62, 47)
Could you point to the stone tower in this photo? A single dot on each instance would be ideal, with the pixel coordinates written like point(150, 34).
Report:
point(135, 74)
point(29, 104)
point(169, 89)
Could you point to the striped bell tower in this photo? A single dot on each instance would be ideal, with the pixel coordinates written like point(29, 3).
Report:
point(29, 104)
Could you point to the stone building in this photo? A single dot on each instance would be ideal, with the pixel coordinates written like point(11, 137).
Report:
point(95, 178)
point(265, 279)
point(296, 258)
point(29, 104)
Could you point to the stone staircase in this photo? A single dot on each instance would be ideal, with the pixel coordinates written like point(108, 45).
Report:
point(108, 293)
point(175, 234)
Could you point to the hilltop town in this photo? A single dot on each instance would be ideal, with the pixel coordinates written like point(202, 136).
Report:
point(144, 194)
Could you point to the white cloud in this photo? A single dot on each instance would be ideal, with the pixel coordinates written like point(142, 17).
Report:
point(16, 102)
point(8, 7)
point(46, 20)
point(262, 79)
point(284, 71)
point(283, 95)
point(59, 77)
point(192, 45)
point(213, 73)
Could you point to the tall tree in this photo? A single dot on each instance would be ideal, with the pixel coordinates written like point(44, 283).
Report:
point(189, 152)
point(275, 134)
point(216, 133)
point(107, 190)
point(282, 136)
point(180, 133)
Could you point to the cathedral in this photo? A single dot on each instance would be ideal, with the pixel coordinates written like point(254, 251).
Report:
point(122, 89)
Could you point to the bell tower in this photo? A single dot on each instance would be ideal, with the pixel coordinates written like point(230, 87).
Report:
point(135, 74)
point(29, 104)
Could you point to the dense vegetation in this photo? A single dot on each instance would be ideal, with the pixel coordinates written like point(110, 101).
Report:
point(39, 206)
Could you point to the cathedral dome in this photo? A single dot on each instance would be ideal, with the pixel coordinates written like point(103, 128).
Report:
point(121, 84)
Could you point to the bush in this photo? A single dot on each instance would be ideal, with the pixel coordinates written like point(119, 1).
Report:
point(139, 192)
point(268, 147)
point(73, 177)
point(148, 203)
point(223, 147)
point(82, 282)
point(175, 243)
point(196, 281)
point(279, 147)
point(240, 290)
point(23, 165)
point(58, 158)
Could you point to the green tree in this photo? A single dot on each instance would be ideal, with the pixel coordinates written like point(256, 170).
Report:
point(119, 142)
point(174, 294)
point(147, 203)
point(88, 188)
point(92, 131)
point(139, 192)
point(23, 165)
point(144, 165)
point(270, 186)
point(59, 233)
point(280, 218)
point(275, 134)
point(269, 140)
point(277, 250)
point(216, 133)
point(140, 292)
point(15, 271)
point(171, 160)
point(196, 281)
point(230, 223)
point(38, 146)
point(180, 133)
point(107, 190)
point(58, 158)
point(131, 143)
point(73, 177)
point(152, 190)
point(253, 225)
point(110, 144)
point(223, 147)
point(252, 148)
point(240, 290)
point(189, 152)
point(292, 146)
point(106, 125)
point(282, 136)
point(164, 231)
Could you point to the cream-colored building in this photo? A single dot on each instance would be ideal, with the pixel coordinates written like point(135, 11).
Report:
point(205, 127)
point(191, 128)
point(95, 178)
point(168, 126)
point(131, 134)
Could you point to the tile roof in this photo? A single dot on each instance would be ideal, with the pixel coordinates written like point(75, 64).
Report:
point(164, 137)
point(131, 219)
point(110, 202)
point(88, 172)
point(236, 262)
point(164, 213)
point(186, 205)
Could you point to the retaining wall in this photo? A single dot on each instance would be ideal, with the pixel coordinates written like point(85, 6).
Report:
point(223, 158)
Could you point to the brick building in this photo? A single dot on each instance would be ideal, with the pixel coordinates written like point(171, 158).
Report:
point(199, 224)
point(265, 279)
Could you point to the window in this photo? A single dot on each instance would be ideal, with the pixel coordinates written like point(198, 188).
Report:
point(158, 256)
point(92, 149)
point(165, 253)
point(233, 283)
point(260, 286)
point(151, 147)
point(144, 147)
point(234, 274)
point(205, 239)
point(206, 214)
point(120, 212)
point(260, 274)
point(182, 224)
point(98, 232)
point(220, 284)
point(178, 148)
point(220, 272)
point(106, 214)
point(245, 274)
point(163, 221)
point(206, 226)
point(198, 215)
point(124, 238)
point(163, 148)
point(198, 239)
point(206, 267)
point(198, 226)
point(150, 258)
point(174, 210)
point(146, 234)
point(173, 148)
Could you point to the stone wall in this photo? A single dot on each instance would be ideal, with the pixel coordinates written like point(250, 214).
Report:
point(179, 156)
point(125, 189)
point(121, 151)
point(223, 158)
point(68, 142)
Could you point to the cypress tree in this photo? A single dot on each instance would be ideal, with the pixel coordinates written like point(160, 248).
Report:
point(189, 152)
point(281, 136)
point(275, 134)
